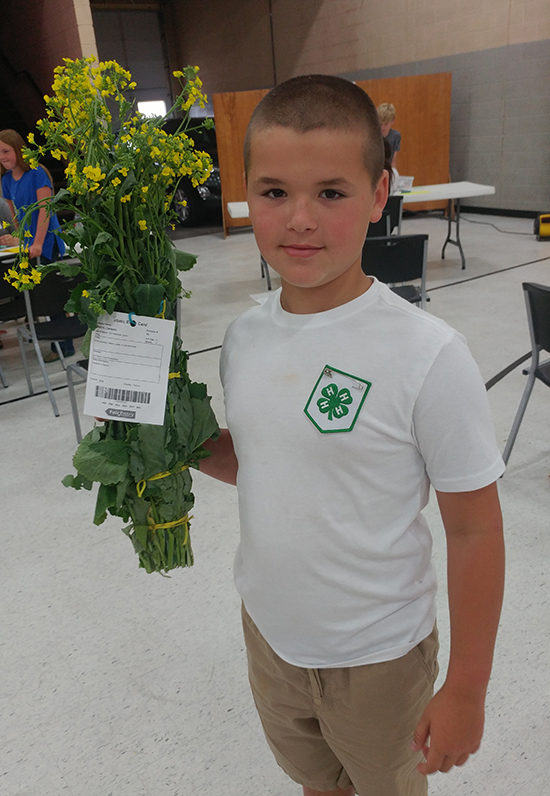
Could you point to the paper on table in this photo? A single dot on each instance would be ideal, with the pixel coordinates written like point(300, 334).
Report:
point(128, 368)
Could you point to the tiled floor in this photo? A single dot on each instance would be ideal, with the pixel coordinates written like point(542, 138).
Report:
point(118, 683)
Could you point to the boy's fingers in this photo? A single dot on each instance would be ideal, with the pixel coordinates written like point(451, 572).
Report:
point(435, 761)
point(421, 734)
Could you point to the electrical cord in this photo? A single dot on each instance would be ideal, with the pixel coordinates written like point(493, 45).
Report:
point(498, 229)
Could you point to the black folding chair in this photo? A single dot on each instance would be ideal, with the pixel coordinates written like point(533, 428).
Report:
point(49, 299)
point(392, 216)
point(398, 258)
point(537, 301)
point(12, 304)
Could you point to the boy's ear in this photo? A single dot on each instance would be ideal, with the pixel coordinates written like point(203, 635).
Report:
point(380, 197)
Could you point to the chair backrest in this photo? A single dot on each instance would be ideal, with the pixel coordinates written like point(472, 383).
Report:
point(395, 258)
point(381, 228)
point(51, 295)
point(537, 298)
point(391, 219)
point(394, 206)
point(7, 290)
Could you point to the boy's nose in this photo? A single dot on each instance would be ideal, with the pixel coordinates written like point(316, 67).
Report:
point(301, 217)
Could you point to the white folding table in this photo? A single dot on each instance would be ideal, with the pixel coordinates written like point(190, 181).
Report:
point(449, 191)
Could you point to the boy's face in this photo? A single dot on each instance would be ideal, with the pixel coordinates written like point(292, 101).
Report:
point(386, 127)
point(310, 201)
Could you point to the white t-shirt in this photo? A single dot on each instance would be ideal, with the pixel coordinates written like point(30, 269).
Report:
point(340, 421)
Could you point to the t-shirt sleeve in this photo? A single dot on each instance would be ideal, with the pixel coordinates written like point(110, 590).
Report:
point(452, 423)
point(6, 187)
point(40, 178)
point(397, 141)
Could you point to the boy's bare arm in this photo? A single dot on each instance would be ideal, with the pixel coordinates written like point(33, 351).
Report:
point(453, 720)
point(222, 464)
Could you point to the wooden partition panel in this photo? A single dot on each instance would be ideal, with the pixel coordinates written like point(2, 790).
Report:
point(423, 117)
point(232, 112)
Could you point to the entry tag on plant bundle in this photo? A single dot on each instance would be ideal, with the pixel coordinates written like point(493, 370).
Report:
point(128, 368)
point(336, 400)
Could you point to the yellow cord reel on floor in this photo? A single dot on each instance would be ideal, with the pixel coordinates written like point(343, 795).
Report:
point(542, 226)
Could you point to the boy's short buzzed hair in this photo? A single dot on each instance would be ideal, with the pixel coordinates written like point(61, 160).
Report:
point(313, 102)
point(386, 112)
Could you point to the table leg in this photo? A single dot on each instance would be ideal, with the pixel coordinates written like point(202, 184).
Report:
point(265, 272)
point(449, 239)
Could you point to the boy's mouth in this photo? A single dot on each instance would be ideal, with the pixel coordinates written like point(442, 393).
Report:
point(301, 250)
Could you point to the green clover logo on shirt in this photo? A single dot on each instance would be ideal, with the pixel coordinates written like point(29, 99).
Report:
point(335, 402)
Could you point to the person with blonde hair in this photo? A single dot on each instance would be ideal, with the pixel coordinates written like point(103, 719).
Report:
point(386, 114)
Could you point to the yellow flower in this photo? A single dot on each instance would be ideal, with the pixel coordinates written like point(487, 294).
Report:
point(93, 173)
point(30, 138)
point(28, 234)
point(36, 276)
point(125, 198)
point(123, 171)
point(142, 224)
point(145, 188)
point(25, 279)
point(116, 181)
point(85, 294)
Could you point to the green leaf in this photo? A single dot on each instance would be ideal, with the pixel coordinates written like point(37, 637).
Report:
point(106, 497)
point(128, 183)
point(184, 260)
point(92, 462)
point(151, 442)
point(114, 450)
point(68, 269)
point(77, 482)
point(102, 237)
point(85, 345)
point(148, 299)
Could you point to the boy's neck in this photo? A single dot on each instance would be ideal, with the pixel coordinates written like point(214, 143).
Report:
point(309, 301)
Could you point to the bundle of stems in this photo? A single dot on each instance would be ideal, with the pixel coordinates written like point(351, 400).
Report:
point(122, 171)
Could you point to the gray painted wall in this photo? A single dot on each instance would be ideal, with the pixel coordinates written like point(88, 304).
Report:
point(500, 120)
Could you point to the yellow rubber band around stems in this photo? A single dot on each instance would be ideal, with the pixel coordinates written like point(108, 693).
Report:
point(140, 486)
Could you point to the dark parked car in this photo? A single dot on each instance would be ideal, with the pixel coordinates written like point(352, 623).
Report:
point(204, 198)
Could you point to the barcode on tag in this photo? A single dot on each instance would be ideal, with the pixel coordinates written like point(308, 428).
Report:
point(115, 394)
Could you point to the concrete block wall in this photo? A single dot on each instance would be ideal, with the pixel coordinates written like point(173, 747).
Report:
point(345, 35)
point(497, 50)
point(500, 120)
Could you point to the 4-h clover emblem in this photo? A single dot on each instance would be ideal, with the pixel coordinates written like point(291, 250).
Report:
point(336, 400)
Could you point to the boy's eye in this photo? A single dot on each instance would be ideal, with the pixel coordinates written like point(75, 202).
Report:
point(274, 193)
point(331, 193)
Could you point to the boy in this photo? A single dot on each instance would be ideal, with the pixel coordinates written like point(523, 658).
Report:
point(386, 114)
point(343, 403)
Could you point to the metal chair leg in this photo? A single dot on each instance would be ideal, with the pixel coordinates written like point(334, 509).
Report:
point(2, 377)
point(38, 355)
point(519, 416)
point(74, 407)
point(21, 340)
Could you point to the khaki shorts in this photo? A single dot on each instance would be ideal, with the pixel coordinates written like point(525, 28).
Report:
point(332, 728)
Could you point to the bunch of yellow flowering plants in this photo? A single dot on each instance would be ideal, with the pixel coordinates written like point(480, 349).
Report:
point(122, 170)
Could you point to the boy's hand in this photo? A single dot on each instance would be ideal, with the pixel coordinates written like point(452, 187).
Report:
point(453, 723)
